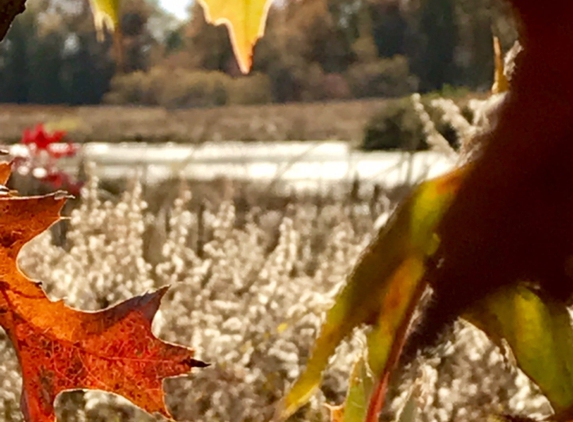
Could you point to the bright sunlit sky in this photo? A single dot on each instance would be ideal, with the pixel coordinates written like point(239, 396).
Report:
point(176, 7)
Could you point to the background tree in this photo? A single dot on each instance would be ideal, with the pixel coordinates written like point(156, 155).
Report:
point(313, 50)
point(434, 62)
point(14, 63)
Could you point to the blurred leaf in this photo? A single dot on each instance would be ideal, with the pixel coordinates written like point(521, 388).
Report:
point(357, 397)
point(359, 392)
point(245, 20)
point(106, 15)
point(67, 124)
point(397, 305)
point(538, 330)
point(511, 218)
point(409, 412)
point(386, 339)
point(383, 288)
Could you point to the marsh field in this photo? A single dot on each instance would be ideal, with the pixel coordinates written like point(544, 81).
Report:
point(251, 278)
point(343, 120)
point(253, 267)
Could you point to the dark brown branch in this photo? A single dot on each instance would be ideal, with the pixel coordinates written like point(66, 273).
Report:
point(8, 11)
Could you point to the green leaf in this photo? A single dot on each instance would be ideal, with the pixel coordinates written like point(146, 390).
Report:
point(383, 288)
point(410, 411)
point(387, 338)
point(538, 331)
point(357, 396)
point(359, 392)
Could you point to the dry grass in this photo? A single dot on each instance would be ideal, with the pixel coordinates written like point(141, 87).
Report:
point(251, 279)
point(250, 285)
point(300, 121)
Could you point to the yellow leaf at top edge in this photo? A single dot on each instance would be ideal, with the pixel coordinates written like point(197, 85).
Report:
point(245, 20)
point(106, 15)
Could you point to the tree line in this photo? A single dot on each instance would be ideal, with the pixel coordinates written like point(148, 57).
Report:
point(314, 50)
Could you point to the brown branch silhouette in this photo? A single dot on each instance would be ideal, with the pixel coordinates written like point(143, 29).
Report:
point(9, 9)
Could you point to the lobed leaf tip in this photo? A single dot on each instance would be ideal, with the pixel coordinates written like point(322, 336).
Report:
point(194, 363)
point(62, 194)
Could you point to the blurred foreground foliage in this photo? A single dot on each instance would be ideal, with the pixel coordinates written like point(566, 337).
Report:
point(522, 305)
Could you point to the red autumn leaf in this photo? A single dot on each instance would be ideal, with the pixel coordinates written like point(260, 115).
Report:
point(40, 138)
point(60, 348)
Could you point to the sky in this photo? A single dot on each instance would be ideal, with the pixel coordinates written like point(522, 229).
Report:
point(176, 7)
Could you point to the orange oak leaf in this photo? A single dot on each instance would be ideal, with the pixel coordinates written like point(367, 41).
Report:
point(60, 348)
point(5, 171)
